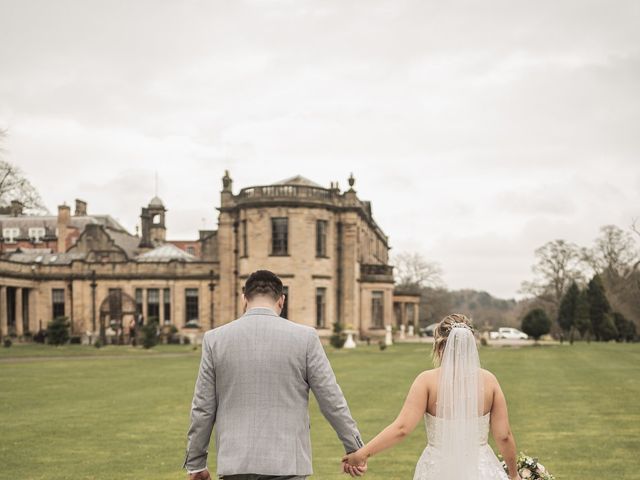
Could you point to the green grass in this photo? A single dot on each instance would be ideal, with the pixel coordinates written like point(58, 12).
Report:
point(124, 416)
point(26, 350)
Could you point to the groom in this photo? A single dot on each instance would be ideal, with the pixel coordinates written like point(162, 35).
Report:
point(253, 384)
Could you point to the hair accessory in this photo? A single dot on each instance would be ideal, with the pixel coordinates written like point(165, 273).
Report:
point(460, 325)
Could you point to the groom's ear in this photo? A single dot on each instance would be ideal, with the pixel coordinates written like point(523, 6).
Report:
point(245, 303)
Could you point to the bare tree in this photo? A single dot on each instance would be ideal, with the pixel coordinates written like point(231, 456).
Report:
point(558, 264)
point(15, 186)
point(615, 253)
point(413, 270)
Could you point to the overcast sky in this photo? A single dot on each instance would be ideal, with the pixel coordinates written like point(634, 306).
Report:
point(478, 129)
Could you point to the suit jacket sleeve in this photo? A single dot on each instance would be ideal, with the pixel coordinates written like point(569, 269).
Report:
point(333, 405)
point(203, 412)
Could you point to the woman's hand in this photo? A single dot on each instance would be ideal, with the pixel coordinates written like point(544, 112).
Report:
point(357, 458)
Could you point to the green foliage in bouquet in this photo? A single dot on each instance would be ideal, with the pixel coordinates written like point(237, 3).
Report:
point(529, 468)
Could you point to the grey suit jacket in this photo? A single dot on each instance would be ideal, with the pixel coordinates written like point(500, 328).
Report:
point(253, 384)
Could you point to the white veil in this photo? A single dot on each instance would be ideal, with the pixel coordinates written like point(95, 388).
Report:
point(459, 405)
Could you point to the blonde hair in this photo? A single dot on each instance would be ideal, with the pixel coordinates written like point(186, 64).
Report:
point(441, 333)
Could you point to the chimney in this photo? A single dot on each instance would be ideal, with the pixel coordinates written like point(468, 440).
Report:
point(64, 218)
point(16, 208)
point(81, 208)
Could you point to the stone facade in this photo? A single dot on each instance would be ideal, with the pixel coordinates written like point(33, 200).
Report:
point(323, 242)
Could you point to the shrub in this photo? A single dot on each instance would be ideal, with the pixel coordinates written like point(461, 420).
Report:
point(7, 342)
point(626, 328)
point(97, 343)
point(150, 334)
point(536, 323)
point(382, 345)
point(40, 336)
point(58, 331)
point(608, 330)
point(76, 340)
point(338, 337)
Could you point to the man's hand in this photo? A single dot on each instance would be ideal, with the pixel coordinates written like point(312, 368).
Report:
point(203, 475)
point(354, 471)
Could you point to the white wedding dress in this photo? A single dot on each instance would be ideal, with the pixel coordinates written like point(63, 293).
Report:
point(489, 467)
point(457, 435)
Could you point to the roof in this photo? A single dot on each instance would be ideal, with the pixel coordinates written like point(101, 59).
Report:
point(165, 253)
point(37, 256)
point(298, 180)
point(50, 222)
point(156, 202)
point(129, 243)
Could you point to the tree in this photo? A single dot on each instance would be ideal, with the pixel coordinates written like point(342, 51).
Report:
point(582, 320)
point(568, 306)
point(614, 255)
point(15, 186)
point(608, 330)
point(413, 270)
point(536, 323)
point(58, 331)
point(626, 328)
point(599, 308)
point(150, 334)
point(338, 337)
point(558, 264)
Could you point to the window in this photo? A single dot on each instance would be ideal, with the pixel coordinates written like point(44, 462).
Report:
point(321, 238)
point(191, 250)
point(377, 309)
point(166, 299)
point(138, 303)
point(153, 304)
point(280, 236)
point(57, 302)
point(191, 304)
point(10, 234)
point(36, 233)
point(245, 239)
point(25, 310)
point(285, 308)
point(397, 311)
point(410, 313)
point(115, 305)
point(321, 307)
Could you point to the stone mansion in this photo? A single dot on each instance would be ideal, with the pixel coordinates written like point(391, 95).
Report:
point(323, 242)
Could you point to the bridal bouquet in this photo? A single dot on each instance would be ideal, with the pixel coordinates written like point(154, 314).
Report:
point(530, 469)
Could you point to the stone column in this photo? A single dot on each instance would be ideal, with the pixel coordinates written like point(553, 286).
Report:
point(18, 312)
point(388, 338)
point(4, 327)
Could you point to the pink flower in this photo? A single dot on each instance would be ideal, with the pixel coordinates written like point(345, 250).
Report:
point(541, 468)
point(525, 473)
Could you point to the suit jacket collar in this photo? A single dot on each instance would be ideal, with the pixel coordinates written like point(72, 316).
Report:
point(261, 311)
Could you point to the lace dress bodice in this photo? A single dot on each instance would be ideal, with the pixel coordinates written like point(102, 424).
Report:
point(489, 467)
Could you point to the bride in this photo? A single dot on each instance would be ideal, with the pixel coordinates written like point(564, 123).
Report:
point(460, 403)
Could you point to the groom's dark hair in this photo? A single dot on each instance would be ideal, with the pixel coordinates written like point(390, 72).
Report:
point(263, 282)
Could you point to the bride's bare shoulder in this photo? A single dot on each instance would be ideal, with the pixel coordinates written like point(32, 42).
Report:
point(488, 376)
point(428, 376)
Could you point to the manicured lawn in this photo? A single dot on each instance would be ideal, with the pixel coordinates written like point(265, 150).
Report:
point(124, 416)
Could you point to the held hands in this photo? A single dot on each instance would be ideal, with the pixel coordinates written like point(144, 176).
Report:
point(355, 464)
point(203, 475)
